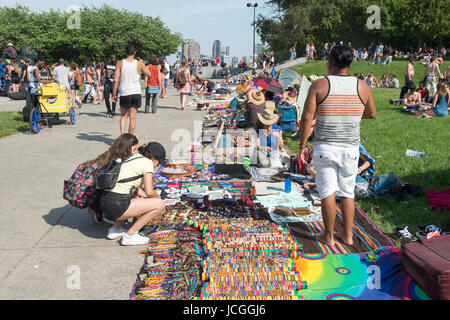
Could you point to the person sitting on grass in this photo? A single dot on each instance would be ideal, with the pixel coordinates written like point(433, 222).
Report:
point(372, 81)
point(366, 164)
point(440, 105)
point(133, 195)
point(394, 83)
point(424, 92)
point(384, 82)
point(412, 99)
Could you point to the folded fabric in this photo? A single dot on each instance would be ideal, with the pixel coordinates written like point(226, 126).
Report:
point(262, 174)
point(287, 200)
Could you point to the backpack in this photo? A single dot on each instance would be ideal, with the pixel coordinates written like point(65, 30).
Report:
point(384, 185)
point(107, 176)
point(181, 79)
point(80, 190)
point(78, 79)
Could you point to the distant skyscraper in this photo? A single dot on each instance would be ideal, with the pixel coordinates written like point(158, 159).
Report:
point(217, 48)
point(259, 48)
point(191, 50)
point(227, 51)
point(235, 60)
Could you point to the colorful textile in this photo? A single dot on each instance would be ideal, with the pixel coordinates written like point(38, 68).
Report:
point(439, 200)
point(171, 270)
point(355, 277)
point(366, 235)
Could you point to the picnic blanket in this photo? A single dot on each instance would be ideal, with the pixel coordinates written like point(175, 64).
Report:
point(378, 275)
point(366, 235)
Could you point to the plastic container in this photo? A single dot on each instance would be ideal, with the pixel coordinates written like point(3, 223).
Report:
point(288, 184)
point(414, 153)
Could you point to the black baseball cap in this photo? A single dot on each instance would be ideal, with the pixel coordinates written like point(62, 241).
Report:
point(158, 151)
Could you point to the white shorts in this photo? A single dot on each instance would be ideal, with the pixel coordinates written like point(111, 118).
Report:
point(336, 168)
point(90, 89)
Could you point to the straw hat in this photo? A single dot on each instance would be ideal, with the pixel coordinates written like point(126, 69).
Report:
point(10, 45)
point(270, 105)
point(256, 97)
point(268, 117)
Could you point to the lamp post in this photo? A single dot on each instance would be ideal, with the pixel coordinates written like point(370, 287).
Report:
point(253, 5)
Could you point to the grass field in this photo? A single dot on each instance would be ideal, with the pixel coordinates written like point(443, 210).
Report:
point(386, 138)
point(11, 123)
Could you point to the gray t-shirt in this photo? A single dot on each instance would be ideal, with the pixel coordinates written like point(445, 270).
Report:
point(62, 75)
point(395, 83)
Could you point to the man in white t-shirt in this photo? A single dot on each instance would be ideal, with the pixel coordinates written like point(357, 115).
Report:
point(61, 73)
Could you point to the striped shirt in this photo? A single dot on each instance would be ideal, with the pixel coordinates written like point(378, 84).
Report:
point(338, 116)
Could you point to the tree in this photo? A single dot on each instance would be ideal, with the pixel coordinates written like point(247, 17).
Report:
point(104, 31)
point(404, 23)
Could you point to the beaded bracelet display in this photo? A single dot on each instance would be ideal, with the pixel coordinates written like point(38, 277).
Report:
point(248, 259)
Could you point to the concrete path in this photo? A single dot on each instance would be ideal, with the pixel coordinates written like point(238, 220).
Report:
point(47, 245)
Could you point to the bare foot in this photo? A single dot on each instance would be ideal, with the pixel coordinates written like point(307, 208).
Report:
point(322, 238)
point(346, 240)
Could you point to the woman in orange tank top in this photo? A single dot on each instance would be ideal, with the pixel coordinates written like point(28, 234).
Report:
point(153, 85)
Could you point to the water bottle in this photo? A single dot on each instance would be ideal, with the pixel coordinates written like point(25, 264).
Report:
point(414, 153)
point(287, 184)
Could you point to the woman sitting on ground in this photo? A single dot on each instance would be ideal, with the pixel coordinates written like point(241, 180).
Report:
point(128, 199)
point(270, 135)
point(412, 99)
point(440, 105)
point(372, 81)
point(385, 83)
point(424, 92)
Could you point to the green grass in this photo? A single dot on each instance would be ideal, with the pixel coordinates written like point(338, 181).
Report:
point(386, 138)
point(11, 123)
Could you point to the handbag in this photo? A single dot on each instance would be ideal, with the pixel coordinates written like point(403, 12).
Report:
point(107, 176)
point(153, 90)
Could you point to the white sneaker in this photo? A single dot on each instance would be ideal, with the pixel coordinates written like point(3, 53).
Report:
point(134, 240)
point(114, 233)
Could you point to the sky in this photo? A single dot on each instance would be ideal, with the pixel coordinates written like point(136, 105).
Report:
point(203, 20)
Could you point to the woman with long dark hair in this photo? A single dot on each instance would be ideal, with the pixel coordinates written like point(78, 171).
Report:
point(133, 196)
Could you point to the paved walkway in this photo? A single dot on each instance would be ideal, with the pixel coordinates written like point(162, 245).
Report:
point(44, 240)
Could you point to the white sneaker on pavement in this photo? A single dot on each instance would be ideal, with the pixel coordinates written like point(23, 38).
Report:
point(114, 233)
point(134, 240)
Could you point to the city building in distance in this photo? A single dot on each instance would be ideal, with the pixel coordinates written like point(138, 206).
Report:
point(216, 49)
point(191, 50)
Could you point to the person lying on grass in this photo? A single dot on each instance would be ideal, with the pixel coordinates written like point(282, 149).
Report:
point(440, 105)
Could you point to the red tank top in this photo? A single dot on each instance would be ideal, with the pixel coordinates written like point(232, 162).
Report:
point(153, 80)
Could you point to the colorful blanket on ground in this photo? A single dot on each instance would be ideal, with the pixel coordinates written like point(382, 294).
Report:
point(366, 235)
point(375, 276)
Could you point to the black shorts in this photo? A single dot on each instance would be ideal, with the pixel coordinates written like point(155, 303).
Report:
point(114, 205)
point(132, 101)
